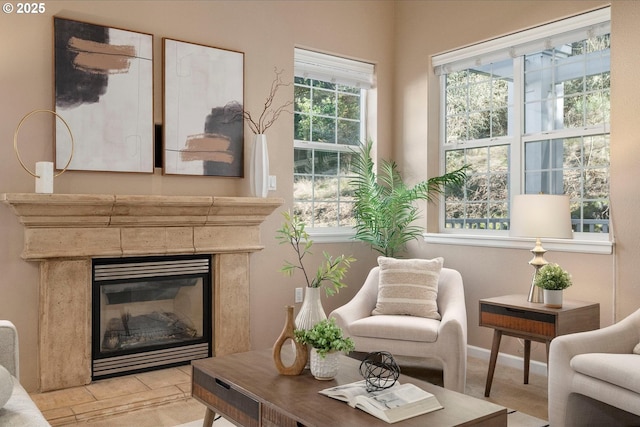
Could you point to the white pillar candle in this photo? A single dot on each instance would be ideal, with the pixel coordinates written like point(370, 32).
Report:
point(44, 179)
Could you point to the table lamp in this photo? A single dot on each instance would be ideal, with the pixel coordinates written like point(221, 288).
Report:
point(540, 216)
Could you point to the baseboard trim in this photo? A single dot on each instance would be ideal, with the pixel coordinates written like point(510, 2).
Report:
point(535, 367)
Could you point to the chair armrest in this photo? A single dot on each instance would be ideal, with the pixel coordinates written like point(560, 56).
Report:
point(451, 302)
point(9, 351)
point(617, 338)
point(361, 305)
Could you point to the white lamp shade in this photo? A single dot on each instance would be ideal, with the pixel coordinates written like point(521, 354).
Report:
point(541, 215)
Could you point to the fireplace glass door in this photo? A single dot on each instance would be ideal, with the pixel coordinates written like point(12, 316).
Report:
point(150, 313)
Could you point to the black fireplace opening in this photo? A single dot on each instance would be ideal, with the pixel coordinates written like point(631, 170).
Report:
point(150, 313)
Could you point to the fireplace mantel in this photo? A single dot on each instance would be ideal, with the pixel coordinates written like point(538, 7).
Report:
point(96, 225)
point(63, 232)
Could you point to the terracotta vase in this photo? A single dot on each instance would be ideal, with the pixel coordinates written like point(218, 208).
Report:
point(299, 349)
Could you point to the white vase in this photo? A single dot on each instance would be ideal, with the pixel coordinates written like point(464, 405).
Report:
point(324, 368)
point(311, 311)
point(260, 167)
point(552, 298)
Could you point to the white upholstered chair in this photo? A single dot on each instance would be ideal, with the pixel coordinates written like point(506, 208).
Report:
point(594, 376)
point(443, 341)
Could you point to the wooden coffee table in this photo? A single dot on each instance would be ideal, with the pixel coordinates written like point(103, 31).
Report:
point(247, 390)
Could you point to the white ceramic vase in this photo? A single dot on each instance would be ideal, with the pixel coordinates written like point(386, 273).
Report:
point(324, 368)
point(311, 311)
point(260, 167)
point(552, 298)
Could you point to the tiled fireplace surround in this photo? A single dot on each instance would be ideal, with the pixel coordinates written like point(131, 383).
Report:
point(63, 232)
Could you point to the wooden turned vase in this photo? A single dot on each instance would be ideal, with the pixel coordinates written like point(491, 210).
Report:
point(301, 353)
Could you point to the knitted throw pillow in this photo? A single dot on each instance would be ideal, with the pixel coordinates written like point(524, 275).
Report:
point(408, 286)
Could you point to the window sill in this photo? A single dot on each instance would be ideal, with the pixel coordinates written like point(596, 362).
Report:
point(331, 235)
point(603, 247)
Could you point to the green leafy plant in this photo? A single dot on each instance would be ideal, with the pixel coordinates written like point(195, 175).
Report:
point(331, 270)
point(325, 337)
point(552, 277)
point(385, 206)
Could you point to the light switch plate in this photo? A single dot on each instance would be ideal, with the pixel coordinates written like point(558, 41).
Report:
point(272, 183)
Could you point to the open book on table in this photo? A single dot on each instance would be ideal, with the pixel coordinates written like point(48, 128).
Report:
point(394, 404)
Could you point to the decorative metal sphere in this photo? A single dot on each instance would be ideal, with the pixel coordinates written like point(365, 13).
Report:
point(380, 370)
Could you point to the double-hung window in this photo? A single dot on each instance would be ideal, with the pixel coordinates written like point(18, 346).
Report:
point(528, 113)
point(330, 99)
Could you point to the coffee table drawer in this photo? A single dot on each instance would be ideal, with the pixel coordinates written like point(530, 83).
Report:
point(514, 319)
point(227, 399)
point(273, 418)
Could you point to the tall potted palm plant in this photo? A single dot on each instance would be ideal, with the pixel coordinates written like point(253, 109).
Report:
point(385, 208)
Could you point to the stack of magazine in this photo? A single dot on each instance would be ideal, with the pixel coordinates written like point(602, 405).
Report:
point(397, 403)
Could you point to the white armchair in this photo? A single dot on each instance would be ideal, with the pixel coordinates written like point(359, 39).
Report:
point(594, 377)
point(444, 341)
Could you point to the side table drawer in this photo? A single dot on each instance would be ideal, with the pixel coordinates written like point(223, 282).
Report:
point(226, 399)
point(514, 319)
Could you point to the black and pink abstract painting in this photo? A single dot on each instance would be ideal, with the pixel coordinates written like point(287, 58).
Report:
point(104, 91)
point(203, 98)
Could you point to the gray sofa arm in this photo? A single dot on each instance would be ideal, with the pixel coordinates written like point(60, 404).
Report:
point(9, 351)
point(20, 410)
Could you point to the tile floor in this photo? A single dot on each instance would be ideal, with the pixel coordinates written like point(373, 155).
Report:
point(110, 397)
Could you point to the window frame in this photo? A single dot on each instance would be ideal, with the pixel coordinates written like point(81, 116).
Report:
point(319, 66)
point(600, 243)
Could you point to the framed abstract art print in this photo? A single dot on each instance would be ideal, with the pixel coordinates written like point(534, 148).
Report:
point(203, 101)
point(104, 90)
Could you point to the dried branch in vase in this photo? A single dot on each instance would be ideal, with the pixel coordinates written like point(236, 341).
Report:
point(269, 114)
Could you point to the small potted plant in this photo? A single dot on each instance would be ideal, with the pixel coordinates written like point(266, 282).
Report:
point(326, 341)
point(329, 274)
point(553, 280)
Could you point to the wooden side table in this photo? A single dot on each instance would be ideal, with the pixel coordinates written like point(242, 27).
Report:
point(513, 316)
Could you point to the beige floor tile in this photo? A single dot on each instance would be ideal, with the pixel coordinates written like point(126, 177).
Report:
point(186, 387)
point(113, 387)
point(62, 398)
point(164, 378)
point(165, 415)
point(187, 369)
point(59, 416)
point(120, 404)
point(65, 422)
